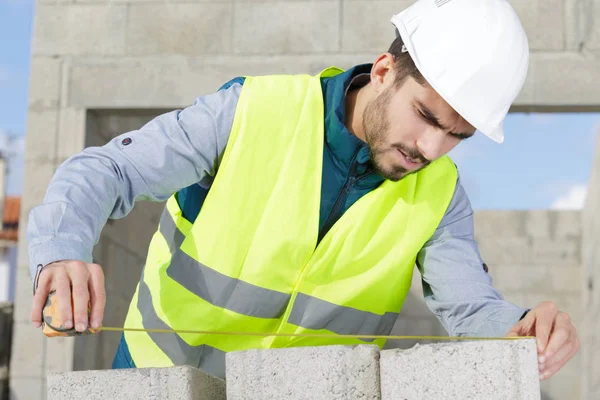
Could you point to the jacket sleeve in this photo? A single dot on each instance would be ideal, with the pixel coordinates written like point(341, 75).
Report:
point(456, 286)
point(172, 151)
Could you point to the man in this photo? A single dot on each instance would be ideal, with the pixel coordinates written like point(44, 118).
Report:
point(300, 204)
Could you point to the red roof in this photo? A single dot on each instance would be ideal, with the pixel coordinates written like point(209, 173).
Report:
point(10, 219)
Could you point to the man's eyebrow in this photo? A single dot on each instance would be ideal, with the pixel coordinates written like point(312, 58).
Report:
point(433, 120)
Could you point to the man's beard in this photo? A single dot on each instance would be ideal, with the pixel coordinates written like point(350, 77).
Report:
point(376, 127)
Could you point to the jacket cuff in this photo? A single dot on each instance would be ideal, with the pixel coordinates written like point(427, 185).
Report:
point(53, 250)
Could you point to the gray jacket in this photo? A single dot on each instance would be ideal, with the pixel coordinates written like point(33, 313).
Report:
point(184, 147)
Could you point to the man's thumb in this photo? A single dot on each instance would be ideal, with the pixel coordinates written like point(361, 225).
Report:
point(515, 331)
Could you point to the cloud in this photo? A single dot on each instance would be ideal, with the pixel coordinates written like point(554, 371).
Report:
point(12, 149)
point(573, 199)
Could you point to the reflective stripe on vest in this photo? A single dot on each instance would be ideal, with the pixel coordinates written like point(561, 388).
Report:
point(250, 262)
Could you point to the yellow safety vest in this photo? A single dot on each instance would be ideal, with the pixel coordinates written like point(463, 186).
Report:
point(251, 262)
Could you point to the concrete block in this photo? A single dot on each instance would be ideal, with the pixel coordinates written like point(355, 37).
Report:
point(501, 223)
point(534, 223)
point(565, 279)
point(593, 10)
point(595, 361)
point(543, 21)
point(44, 85)
point(529, 278)
point(167, 82)
point(562, 251)
point(465, 370)
point(23, 296)
point(59, 354)
point(147, 1)
point(71, 132)
point(538, 278)
point(42, 132)
point(186, 29)
point(144, 383)
point(576, 22)
point(566, 79)
point(286, 27)
point(424, 326)
point(566, 383)
point(554, 224)
point(36, 177)
point(322, 372)
point(27, 351)
point(505, 250)
point(80, 30)
point(376, 33)
point(527, 94)
point(27, 388)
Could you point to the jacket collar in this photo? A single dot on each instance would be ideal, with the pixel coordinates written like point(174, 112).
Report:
point(343, 145)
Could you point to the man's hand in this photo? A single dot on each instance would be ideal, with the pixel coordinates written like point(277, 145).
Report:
point(556, 337)
point(77, 285)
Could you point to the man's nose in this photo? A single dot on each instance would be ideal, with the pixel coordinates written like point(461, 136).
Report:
point(431, 143)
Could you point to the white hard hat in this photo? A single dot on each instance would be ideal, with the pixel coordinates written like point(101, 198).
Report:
point(473, 53)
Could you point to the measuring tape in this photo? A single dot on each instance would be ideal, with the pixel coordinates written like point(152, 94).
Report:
point(313, 335)
point(53, 326)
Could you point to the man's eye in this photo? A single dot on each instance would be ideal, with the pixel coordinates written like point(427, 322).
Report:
point(460, 136)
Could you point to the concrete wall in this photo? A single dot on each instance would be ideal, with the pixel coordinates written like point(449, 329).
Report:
point(92, 55)
point(535, 256)
point(121, 250)
point(590, 286)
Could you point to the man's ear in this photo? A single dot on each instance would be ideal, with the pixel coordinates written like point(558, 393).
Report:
point(382, 72)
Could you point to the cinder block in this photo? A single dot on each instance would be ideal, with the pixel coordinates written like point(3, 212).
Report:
point(27, 388)
point(42, 133)
point(560, 251)
point(80, 29)
point(376, 32)
point(565, 79)
point(71, 134)
point(501, 223)
point(167, 83)
point(27, 358)
point(593, 10)
point(544, 23)
point(322, 372)
point(185, 383)
point(36, 177)
point(464, 370)
point(188, 29)
point(505, 250)
point(44, 85)
point(286, 27)
point(23, 296)
point(59, 354)
point(565, 279)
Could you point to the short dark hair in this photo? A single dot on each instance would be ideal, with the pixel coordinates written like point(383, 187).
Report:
point(404, 64)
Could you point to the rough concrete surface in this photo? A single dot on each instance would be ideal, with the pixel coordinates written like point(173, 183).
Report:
point(466, 370)
point(323, 372)
point(181, 383)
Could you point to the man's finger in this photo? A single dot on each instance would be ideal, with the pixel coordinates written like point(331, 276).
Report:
point(560, 336)
point(515, 331)
point(544, 323)
point(97, 295)
point(62, 283)
point(565, 351)
point(559, 362)
point(81, 296)
point(39, 300)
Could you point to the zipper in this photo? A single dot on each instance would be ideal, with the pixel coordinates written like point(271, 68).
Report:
point(351, 180)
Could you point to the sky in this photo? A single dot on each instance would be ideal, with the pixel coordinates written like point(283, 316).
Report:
point(544, 162)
